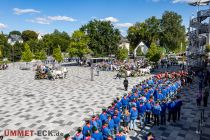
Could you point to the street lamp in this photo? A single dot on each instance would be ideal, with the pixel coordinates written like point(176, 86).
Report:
point(91, 62)
point(91, 70)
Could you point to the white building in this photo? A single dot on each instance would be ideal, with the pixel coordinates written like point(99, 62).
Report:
point(14, 38)
point(124, 43)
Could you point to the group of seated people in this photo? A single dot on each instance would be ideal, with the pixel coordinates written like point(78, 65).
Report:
point(148, 103)
point(3, 66)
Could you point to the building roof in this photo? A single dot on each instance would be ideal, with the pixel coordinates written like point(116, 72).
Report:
point(124, 39)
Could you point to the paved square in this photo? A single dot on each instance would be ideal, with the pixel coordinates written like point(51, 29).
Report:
point(60, 105)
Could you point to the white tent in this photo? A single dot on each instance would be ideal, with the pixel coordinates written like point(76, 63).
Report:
point(144, 48)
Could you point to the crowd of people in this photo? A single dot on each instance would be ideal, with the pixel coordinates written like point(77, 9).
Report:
point(148, 103)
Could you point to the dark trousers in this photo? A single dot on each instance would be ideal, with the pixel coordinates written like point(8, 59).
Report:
point(163, 118)
point(156, 119)
point(174, 114)
point(126, 87)
point(169, 115)
point(205, 99)
point(178, 113)
point(148, 117)
point(198, 101)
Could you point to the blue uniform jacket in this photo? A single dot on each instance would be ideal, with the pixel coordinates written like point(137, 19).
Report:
point(157, 109)
point(124, 102)
point(106, 132)
point(134, 114)
point(163, 108)
point(78, 136)
point(97, 136)
point(120, 137)
point(86, 129)
point(141, 109)
point(103, 117)
point(111, 124)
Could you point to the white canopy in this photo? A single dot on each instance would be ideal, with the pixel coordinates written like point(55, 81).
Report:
point(144, 48)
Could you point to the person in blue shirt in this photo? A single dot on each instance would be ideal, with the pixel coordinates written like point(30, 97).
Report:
point(110, 122)
point(156, 112)
point(88, 137)
point(87, 128)
point(120, 135)
point(163, 112)
point(148, 111)
point(93, 122)
point(126, 120)
point(172, 109)
point(78, 135)
point(105, 131)
point(124, 102)
point(96, 134)
point(116, 120)
point(103, 116)
point(99, 122)
point(141, 109)
point(133, 117)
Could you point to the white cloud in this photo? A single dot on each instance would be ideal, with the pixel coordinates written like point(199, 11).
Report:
point(123, 25)
point(18, 11)
point(49, 19)
point(40, 20)
point(61, 18)
point(3, 26)
point(112, 19)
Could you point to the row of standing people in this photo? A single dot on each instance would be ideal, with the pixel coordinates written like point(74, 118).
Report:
point(152, 98)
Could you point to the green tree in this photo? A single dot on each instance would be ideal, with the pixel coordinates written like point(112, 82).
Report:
point(57, 54)
point(104, 38)
point(154, 53)
point(16, 51)
point(29, 35)
point(27, 55)
point(55, 39)
point(41, 55)
point(147, 32)
point(79, 44)
point(172, 31)
point(15, 33)
point(122, 54)
point(1, 52)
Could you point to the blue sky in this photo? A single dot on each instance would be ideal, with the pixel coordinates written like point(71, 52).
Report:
point(68, 15)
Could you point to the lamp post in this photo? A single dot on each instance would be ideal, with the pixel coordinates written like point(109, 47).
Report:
point(91, 63)
point(91, 70)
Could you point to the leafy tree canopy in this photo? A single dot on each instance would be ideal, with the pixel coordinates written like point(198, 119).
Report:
point(57, 54)
point(27, 55)
point(122, 54)
point(29, 35)
point(79, 44)
point(104, 38)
